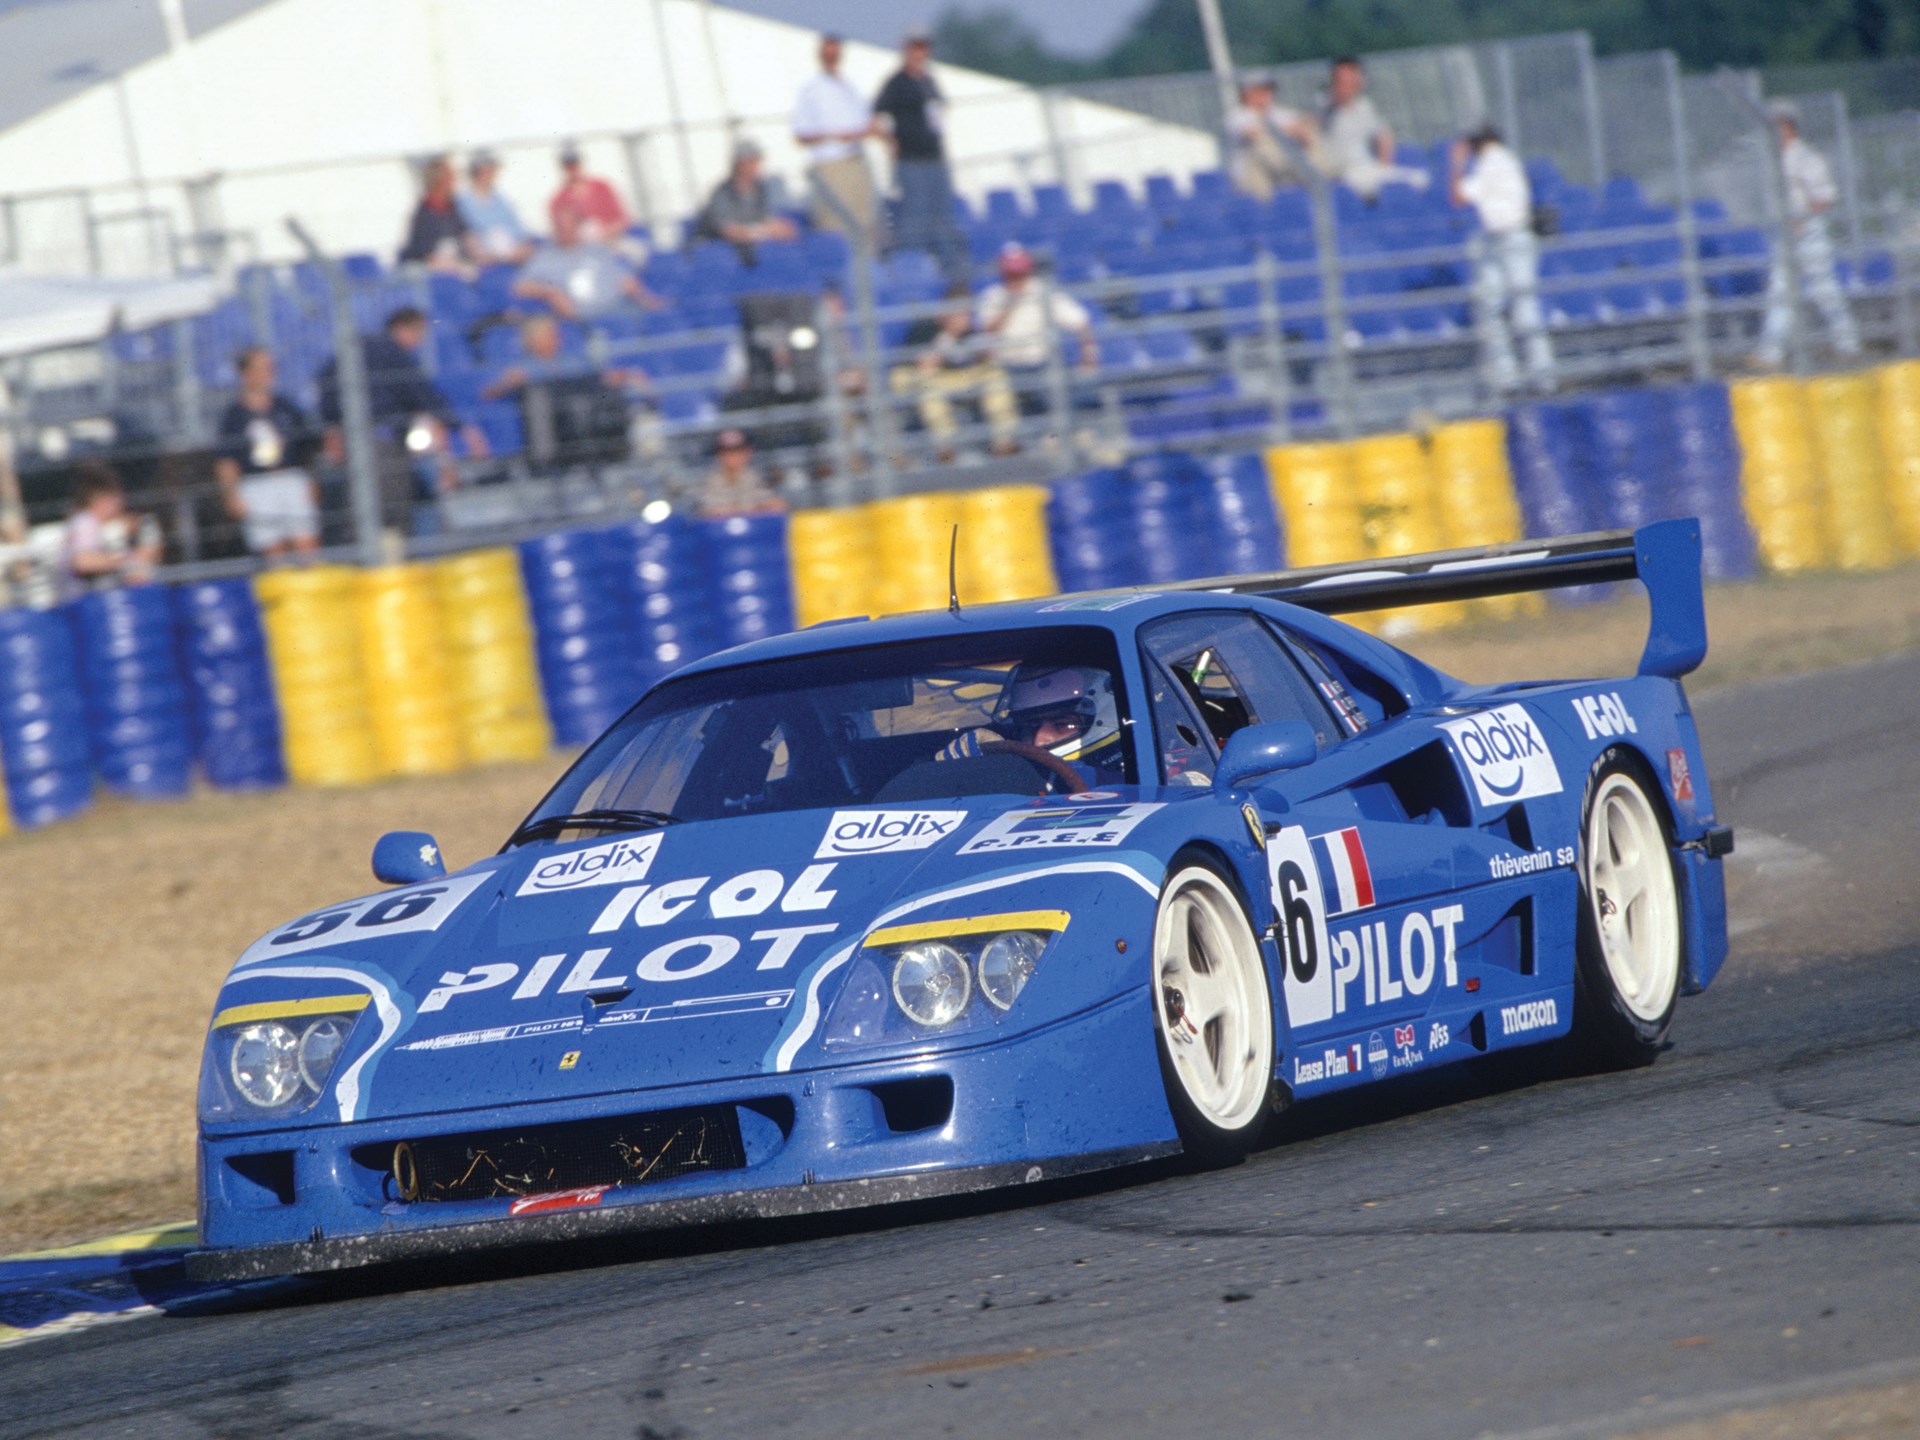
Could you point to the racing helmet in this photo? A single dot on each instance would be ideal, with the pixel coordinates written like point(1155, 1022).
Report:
point(1078, 696)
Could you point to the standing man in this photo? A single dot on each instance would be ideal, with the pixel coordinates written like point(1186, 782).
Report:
point(910, 112)
point(1489, 177)
point(1357, 144)
point(832, 121)
point(1810, 194)
point(265, 439)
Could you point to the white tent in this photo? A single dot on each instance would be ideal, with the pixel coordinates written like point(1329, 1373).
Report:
point(39, 312)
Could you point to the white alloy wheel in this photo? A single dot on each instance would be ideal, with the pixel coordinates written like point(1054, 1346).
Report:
point(1211, 1000)
point(1631, 896)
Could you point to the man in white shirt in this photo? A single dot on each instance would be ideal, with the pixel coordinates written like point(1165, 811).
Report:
point(832, 120)
point(1489, 177)
point(1810, 194)
point(1260, 164)
point(1024, 315)
point(1356, 142)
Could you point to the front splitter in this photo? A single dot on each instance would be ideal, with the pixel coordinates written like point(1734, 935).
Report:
point(348, 1252)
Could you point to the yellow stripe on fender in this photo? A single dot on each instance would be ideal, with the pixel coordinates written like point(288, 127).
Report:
point(975, 925)
point(288, 1009)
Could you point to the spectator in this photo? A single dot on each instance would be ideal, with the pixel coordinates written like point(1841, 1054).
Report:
point(495, 234)
point(102, 545)
point(437, 236)
point(265, 440)
point(910, 111)
point(1024, 314)
point(1488, 176)
point(1810, 194)
point(733, 486)
point(1356, 144)
point(1260, 163)
point(832, 120)
point(573, 412)
point(955, 363)
point(413, 424)
point(744, 208)
point(578, 278)
point(596, 211)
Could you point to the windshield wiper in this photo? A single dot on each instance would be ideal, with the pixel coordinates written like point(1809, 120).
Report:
point(549, 826)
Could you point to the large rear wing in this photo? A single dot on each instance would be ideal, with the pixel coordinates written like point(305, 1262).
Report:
point(1665, 557)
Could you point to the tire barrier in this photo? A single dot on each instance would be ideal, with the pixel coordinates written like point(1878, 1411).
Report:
point(1847, 440)
point(667, 592)
point(834, 563)
point(1780, 474)
point(914, 534)
point(1400, 515)
point(1474, 492)
point(43, 719)
point(1897, 397)
point(577, 592)
point(312, 620)
point(1166, 500)
point(490, 654)
point(1703, 474)
point(410, 686)
point(1314, 491)
point(138, 721)
point(1091, 532)
point(746, 564)
point(1244, 536)
point(1004, 553)
point(236, 722)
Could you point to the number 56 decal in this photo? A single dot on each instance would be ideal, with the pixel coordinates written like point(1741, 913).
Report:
point(1300, 908)
point(374, 917)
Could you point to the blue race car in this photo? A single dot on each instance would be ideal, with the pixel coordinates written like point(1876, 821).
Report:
point(898, 908)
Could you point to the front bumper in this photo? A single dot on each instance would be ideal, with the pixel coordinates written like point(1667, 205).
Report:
point(1079, 1095)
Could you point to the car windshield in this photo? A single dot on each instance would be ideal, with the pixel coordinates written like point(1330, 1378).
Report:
point(1023, 712)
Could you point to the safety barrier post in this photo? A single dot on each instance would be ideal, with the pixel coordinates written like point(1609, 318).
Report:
point(1273, 343)
point(1699, 356)
point(1059, 387)
point(356, 404)
point(880, 444)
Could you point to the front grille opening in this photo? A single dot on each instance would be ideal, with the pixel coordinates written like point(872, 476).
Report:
point(923, 1103)
point(264, 1179)
point(539, 1159)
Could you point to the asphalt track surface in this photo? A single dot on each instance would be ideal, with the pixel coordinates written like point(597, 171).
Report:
point(1484, 1254)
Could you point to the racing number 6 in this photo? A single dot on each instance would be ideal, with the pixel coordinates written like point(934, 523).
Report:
point(1300, 912)
point(1296, 921)
point(392, 909)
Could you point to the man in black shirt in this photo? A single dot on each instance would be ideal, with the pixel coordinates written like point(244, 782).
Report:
point(437, 235)
point(909, 110)
point(265, 440)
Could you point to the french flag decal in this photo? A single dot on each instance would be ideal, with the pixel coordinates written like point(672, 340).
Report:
point(1344, 875)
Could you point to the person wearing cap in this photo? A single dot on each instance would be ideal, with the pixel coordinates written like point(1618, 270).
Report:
point(496, 235)
point(744, 208)
point(831, 121)
point(437, 235)
point(591, 201)
point(1487, 175)
point(1024, 314)
point(1811, 193)
point(1259, 163)
point(911, 113)
point(734, 486)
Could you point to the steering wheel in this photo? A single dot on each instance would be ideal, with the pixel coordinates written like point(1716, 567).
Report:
point(1045, 759)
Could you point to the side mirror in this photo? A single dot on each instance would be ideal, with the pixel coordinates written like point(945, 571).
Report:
point(1263, 749)
point(406, 857)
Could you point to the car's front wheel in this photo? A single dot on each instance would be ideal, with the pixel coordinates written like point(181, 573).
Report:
point(1213, 1013)
point(1628, 973)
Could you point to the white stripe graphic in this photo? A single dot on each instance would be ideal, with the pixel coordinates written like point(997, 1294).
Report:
point(347, 1091)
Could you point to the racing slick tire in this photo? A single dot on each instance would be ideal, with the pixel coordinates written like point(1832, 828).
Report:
point(1213, 1014)
point(1629, 951)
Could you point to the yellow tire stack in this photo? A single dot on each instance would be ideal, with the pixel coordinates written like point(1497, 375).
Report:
point(912, 535)
point(1400, 515)
point(409, 683)
point(1473, 488)
point(1897, 401)
point(1313, 487)
point(1004, 554)
point(496, 681)
point(312, 620)
point(835, 564)
point(1780, 474)
point(1846, 434)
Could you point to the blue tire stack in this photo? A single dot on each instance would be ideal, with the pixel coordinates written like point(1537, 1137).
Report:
point(43, 721)
point(1704, 478)
point(1167, 497)
point(138, 716)
point(1624, 436)
point(577, 596)
point(751, 577)
point(669, 602)
point(1244, 531)
point(1091, 531)
point(1552, 480)
point(236, 718)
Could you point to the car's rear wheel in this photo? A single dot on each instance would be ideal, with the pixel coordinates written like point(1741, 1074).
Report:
point(1628, 973)
point(1213, 1014)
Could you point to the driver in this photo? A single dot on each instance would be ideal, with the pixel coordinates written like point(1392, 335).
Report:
point(1066, 710)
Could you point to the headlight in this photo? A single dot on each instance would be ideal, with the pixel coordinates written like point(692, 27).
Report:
point(931, 983)
point(320, 1047)
point(264, 1064)
point(1006, 964)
